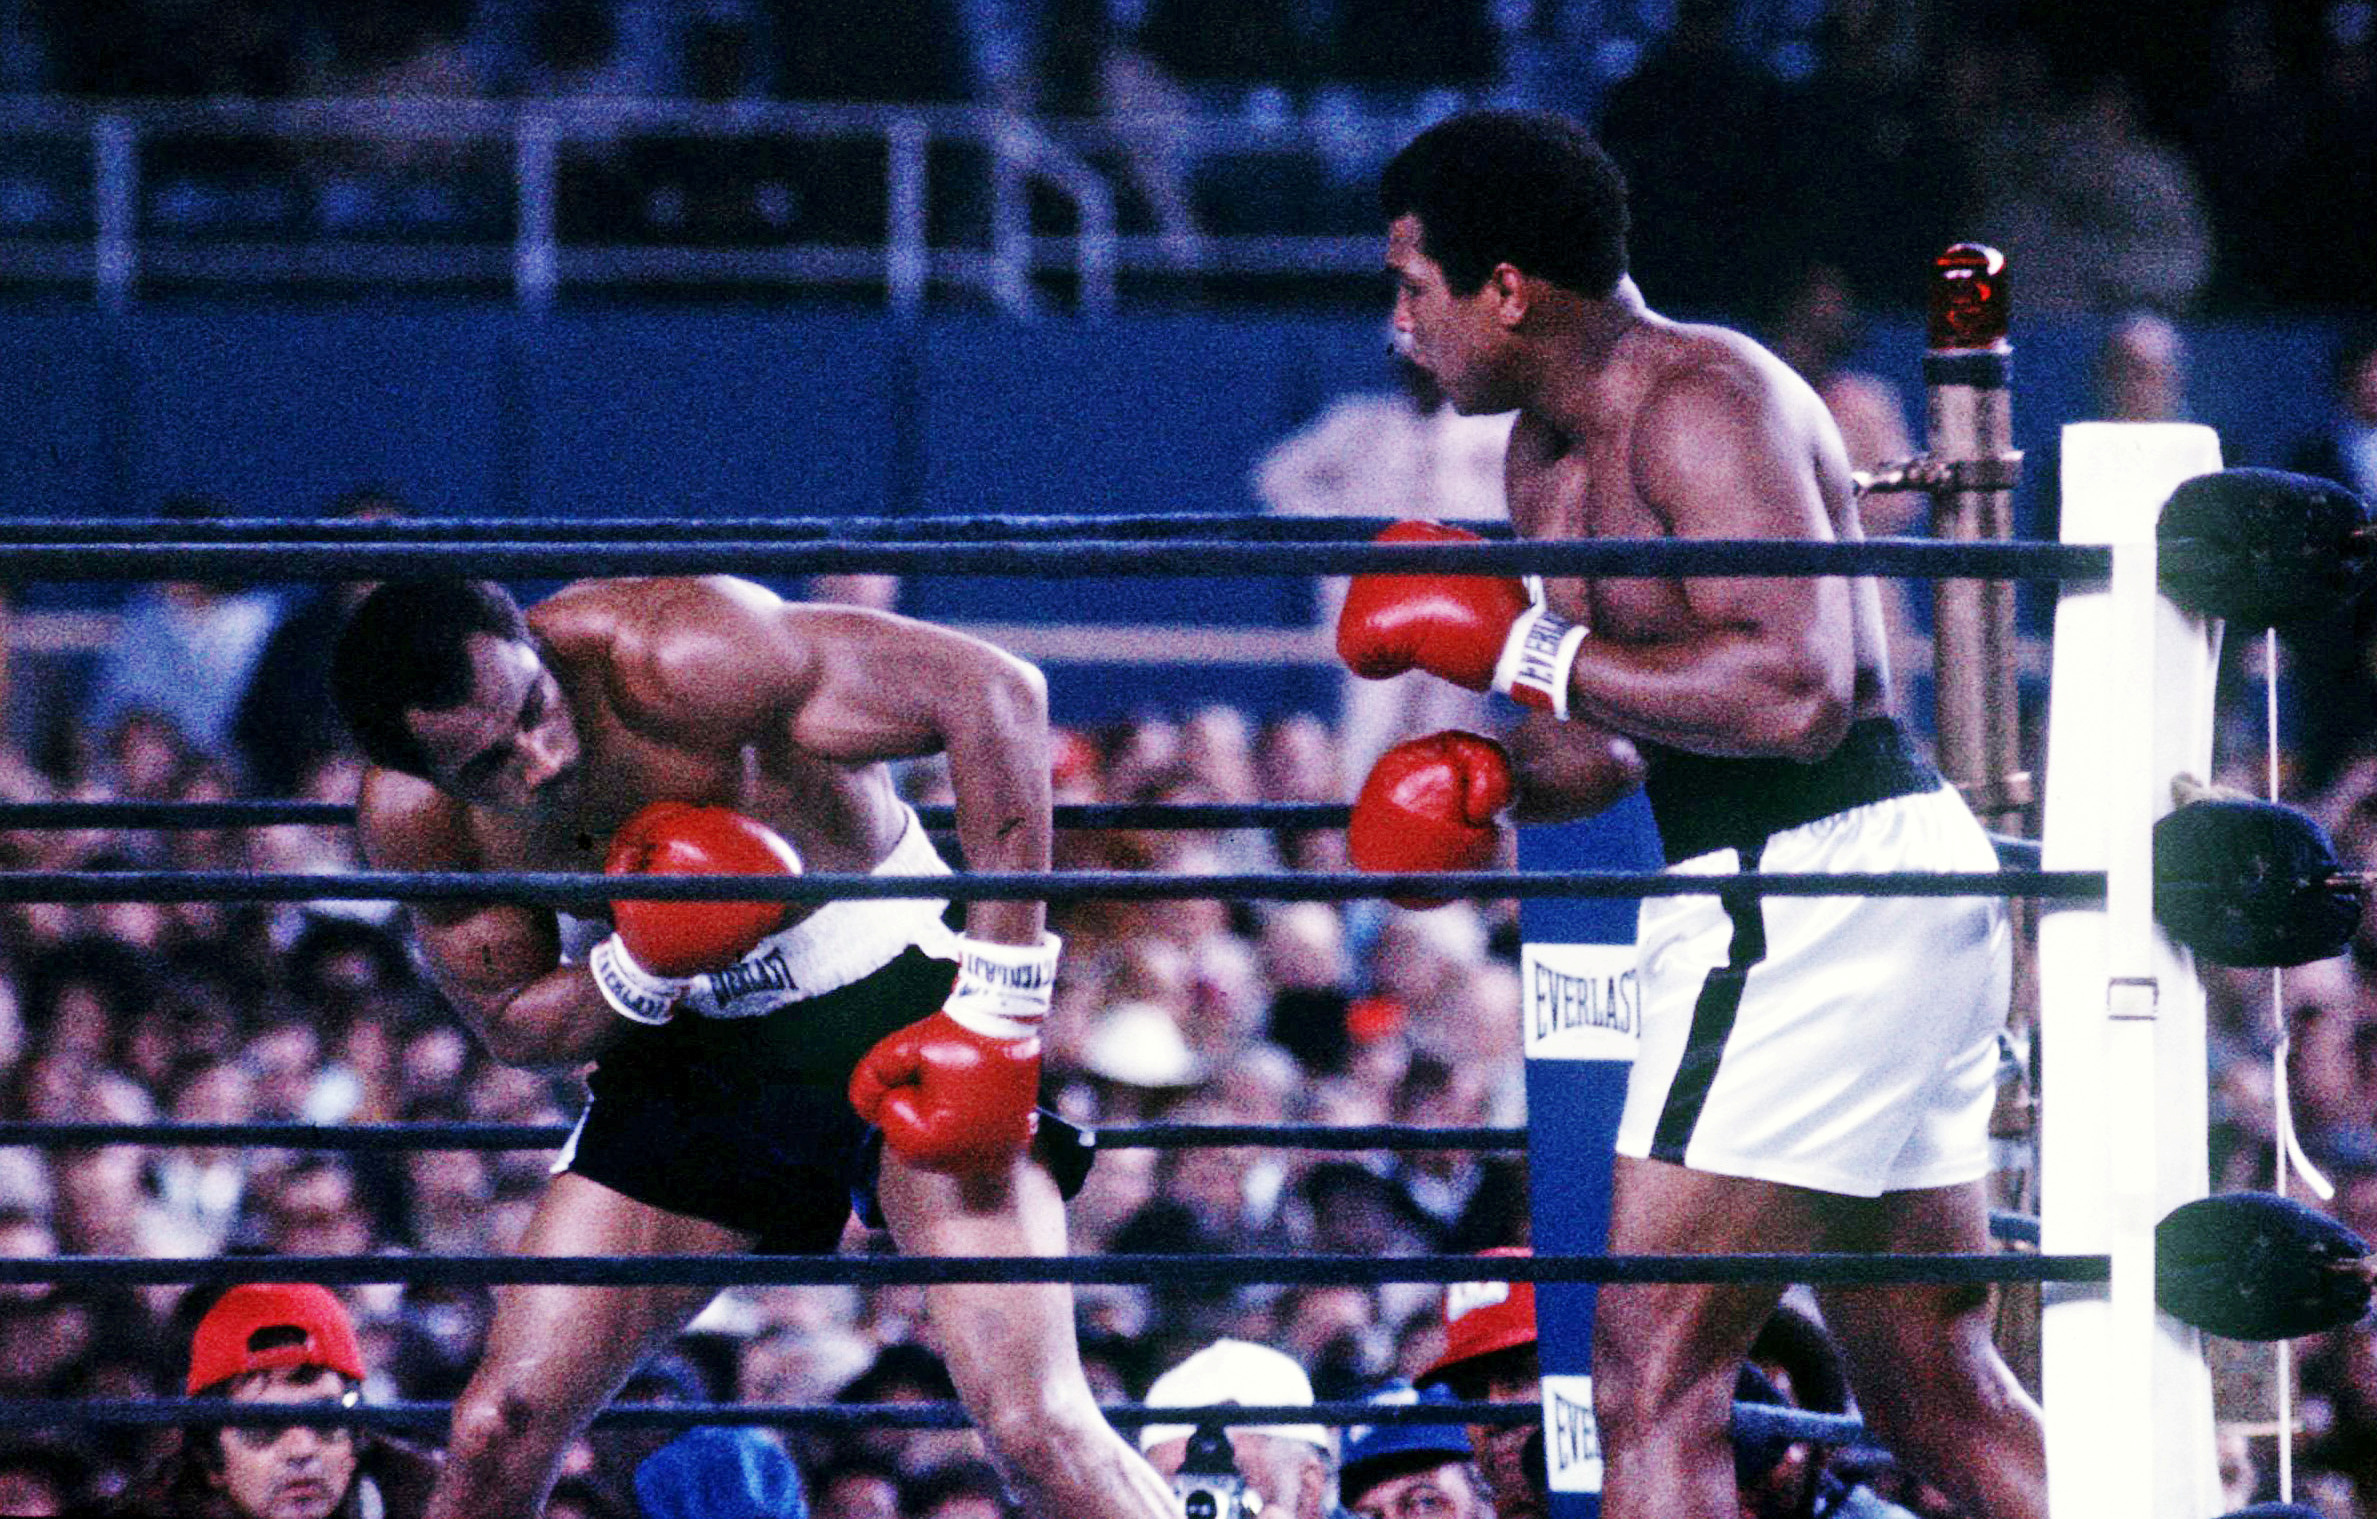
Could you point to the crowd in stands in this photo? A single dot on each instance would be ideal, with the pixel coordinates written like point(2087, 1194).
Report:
point(2215, 158)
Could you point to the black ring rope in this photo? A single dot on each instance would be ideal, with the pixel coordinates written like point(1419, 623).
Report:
point(431, 1414)
point(278, 1135)
point(2016, 1228)
point(563, 888)
point(1665, 558)
point(266, 812)
point(271, 813)
point(1750, 1420)
point(982, 528)
point(743, 1270)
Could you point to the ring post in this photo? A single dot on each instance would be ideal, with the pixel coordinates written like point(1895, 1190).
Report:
point(1968, 386)
point(1583, 1021)
point(2128, 1397)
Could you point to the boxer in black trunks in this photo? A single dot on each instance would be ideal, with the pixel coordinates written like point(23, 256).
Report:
point(729, 1049)
point(1760, 709)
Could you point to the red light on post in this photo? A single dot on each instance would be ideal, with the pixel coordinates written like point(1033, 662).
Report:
point(1968, 298)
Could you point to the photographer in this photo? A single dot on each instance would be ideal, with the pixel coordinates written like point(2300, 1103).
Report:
point(1281, 1471)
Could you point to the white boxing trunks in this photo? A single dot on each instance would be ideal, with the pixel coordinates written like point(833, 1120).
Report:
point(1845, 1044)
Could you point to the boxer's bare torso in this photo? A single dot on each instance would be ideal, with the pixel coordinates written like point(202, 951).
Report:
point(606, 648)
point(1623, 447)
point(711, 691)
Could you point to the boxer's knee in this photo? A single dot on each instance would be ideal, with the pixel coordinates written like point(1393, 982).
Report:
point(503, 1434)
point(1024, 1420)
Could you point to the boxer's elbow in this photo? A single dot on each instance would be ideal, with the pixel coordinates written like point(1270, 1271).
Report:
point(1810, 715)
point(545, 1027)
point(1012, 697)
point(1569, 770)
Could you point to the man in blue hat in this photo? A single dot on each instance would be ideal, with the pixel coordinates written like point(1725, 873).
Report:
point(1410, 1471)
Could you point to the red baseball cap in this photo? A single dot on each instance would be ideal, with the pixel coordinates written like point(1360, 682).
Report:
point(1483, 1317)
point(224, 1345)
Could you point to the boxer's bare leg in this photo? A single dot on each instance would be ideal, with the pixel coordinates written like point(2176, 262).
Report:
point(1011, 1348)
point(556, 1354)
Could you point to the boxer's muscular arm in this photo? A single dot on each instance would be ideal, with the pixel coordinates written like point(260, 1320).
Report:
point(498, 964)
point(729, 660)
point(1751, 666)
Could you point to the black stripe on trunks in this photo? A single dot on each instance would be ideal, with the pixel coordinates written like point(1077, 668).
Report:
point(1712, 1021)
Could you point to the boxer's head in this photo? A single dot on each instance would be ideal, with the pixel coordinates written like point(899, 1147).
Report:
point(1490, 214)
point(444, 680)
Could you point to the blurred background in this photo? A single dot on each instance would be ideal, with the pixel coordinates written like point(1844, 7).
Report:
point(1078, 257)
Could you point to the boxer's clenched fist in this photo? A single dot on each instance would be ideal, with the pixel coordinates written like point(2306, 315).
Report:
point(1432, 803)
point(662, 948)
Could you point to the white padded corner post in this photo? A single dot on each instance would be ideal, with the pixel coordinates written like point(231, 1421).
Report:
point(2127, 1395)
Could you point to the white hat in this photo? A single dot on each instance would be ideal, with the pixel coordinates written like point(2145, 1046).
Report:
point(1139, 1044)
point(1234, 1371)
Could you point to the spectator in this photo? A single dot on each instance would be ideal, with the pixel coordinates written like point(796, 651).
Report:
point(1410, 1471)
point(286, 724)
point(2332, 713)
point(1406, 454)
point(2106, 218)
point(1794, 1363)
point(389, 173)
point(906, 1372)
point(1490, 1356)
point(40, 1479)
point(2316, 233)
point(958, 1490)
point(184, 650)
point(1855, 135)
point(2141, 371)
point(1089, 69)
point(1818, 329)
point(856, 1487)
point(280, 1343)
point(2344, 449)
point(2246, 134)
point(1289, 1465)
point(1697, 198)
point(719, 1473)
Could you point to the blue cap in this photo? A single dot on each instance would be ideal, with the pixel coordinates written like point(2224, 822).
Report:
point(712, 1472)
point(1373, 1445)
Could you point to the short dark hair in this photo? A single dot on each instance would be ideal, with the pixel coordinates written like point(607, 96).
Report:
point(408, 646)
point(1528, 188)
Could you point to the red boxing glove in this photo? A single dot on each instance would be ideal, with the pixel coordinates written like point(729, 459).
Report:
point(960, 1091)
point(948, 1098)
point(1479, 631)
point(1431, 804)
point(661, 948)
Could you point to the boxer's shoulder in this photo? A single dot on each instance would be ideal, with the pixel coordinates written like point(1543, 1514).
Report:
point(404, 822)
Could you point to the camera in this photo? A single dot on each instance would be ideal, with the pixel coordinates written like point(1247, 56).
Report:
point(1208, 1485)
